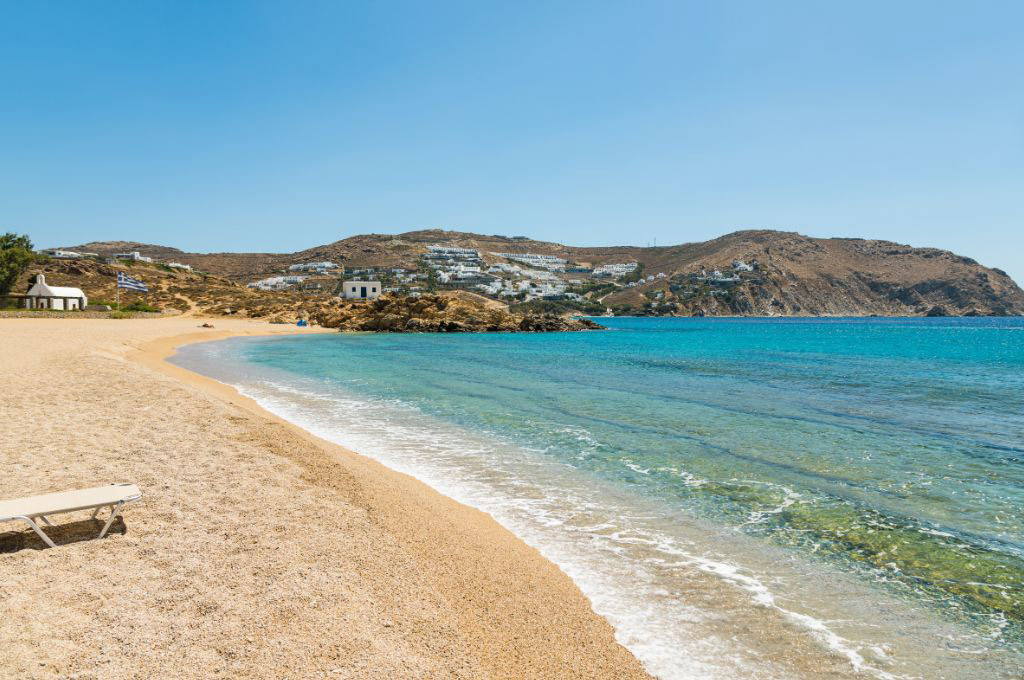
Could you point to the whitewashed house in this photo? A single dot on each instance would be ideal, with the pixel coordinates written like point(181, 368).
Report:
point(44, 296)
point(277, 282)
point(134, 256)
point(318, 267)
point(361, 290)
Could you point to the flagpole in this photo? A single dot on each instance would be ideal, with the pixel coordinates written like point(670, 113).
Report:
point(117, 289)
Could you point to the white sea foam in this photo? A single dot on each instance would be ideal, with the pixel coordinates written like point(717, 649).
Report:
point(789, 498)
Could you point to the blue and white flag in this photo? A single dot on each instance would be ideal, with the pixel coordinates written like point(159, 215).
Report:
point(130, 283)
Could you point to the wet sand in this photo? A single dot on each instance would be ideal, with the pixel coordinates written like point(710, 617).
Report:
point(259, 550)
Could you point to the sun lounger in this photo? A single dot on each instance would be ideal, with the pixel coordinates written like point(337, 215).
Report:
point(33, 508)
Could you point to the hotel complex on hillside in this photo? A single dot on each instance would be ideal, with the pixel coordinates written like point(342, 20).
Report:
point(520, 276)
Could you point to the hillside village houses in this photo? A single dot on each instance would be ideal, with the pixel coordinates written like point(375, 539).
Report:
point(534, 260)
point(317, 267)
point(524, 276)
point(44, 296)
point(59, 254)
point(277, 282)
point(451, 254)
point(615, 270)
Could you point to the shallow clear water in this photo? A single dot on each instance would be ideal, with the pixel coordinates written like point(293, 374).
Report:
point(779, 498)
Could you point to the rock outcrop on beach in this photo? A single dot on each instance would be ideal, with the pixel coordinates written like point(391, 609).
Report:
point(437, 314)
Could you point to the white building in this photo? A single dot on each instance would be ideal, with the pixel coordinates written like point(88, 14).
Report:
point(44, 296)
point(277, 282)
point(134, 256)
point(741, 266)
point(64, 254)
point(615, 270)
point(718, 277)
point(361, 290)
point(504, 268)
point(536, 260)
point(319, 267)
point(492, 288)
point(178, 265)
point(444, 251)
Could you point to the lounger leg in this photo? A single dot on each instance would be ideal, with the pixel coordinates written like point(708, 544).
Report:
point(46, 521)
point(35, 527)
point(110, 520)
point(95, 512)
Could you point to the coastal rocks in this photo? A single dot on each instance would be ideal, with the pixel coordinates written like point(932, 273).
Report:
point(437, 314)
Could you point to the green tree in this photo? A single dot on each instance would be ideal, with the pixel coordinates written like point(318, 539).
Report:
point(15, 257)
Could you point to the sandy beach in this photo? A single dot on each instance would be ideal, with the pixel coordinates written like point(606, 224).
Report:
point(258, 551)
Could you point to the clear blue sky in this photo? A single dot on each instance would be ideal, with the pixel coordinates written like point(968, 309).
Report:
point(281, 125)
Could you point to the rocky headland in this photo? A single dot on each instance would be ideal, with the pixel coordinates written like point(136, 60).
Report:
point(438, 314)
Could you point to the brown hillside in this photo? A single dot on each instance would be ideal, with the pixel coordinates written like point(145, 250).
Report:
point(195, 293)
point(797, 275)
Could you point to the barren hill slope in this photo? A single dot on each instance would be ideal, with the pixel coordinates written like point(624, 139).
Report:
point(796, 275)
point(799, 275)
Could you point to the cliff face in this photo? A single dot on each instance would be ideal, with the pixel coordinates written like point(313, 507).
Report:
point(437, 314)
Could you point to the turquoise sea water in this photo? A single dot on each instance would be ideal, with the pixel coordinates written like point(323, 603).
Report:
point(779, 498)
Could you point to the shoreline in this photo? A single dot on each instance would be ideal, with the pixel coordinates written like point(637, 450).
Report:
point(495, 606)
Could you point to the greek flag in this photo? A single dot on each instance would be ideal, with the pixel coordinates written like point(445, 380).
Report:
point(130, 283)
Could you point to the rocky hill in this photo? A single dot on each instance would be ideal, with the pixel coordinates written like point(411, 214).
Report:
point(795, 274)
point(798, 275)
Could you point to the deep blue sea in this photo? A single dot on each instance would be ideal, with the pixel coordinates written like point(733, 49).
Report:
point(762, 498)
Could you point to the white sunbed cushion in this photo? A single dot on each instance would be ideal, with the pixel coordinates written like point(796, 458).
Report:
point(68, 501)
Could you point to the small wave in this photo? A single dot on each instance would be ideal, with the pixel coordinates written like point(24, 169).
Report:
point(789, 498)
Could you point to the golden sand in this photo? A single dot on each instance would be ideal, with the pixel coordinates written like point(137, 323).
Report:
point(258, 551)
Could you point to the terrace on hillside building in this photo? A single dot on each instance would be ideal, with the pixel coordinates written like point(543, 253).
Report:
point(277, 282)
point(318, 267)
point(134, 256)
point(551, 262)
point(615, 270)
